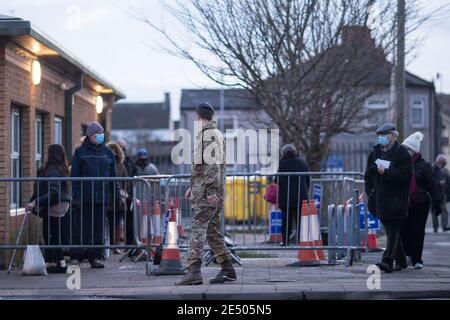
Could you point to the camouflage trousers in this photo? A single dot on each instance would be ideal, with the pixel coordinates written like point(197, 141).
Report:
point(206, 226)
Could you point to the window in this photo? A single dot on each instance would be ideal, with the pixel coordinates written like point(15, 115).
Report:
point(83, 130)
point(417, 112)
point(228, 124)
point(39, 141)
point(58, 130)
point(15, 157)
point(376, 112)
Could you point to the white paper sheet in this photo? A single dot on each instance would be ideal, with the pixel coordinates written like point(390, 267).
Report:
point(383, 163)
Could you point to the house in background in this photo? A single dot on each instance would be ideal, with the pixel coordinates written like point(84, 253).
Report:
point(349, 151)
point(239, 108)
point(444, 105)
point(47, 96)
point(146, 125)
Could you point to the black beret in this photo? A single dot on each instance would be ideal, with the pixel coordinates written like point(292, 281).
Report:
point(205, 106)
point(385, 128)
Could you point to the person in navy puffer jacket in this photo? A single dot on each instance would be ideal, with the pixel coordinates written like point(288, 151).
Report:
point(91, 198)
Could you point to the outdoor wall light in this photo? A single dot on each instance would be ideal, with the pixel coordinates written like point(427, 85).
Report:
point(99, 104)
point(36, 72)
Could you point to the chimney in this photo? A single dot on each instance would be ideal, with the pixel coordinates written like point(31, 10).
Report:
point(357, 35)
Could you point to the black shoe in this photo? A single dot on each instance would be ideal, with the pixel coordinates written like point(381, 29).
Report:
point(57, 269)
point(445, 229)
point(400, 266)
point(96, 265)
point(385, 267)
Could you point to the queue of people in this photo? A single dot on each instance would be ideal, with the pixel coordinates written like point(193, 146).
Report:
point(92, 202)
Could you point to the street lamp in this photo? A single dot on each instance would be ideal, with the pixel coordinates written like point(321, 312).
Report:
point(99, 104)
point(36, 72)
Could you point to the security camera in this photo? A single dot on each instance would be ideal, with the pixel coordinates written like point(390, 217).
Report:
point(63, 86)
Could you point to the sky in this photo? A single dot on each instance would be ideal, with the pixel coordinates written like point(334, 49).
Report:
point(125, 51)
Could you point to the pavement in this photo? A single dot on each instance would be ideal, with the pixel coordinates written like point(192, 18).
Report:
point(258, 279)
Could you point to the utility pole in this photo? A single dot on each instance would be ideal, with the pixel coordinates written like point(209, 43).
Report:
point(400, 69)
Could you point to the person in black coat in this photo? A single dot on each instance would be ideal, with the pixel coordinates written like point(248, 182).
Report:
point(441, 180)
point(424, 191)
point(48, 194)
point(292, 190)
point(387, 187)
point(92, 159)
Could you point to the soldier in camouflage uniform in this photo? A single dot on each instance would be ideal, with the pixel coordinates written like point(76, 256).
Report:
point(207, 196)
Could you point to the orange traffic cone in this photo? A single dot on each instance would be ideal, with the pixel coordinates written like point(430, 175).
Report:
point(157, 236)
point(307, 258)
point(170, 263)
point(372, 240)
point(180, 228)
point(316, 236)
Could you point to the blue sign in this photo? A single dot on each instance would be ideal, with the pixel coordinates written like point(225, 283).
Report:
point(372, 221)
point(335, 163)
point(317, 194)
point(276, 221)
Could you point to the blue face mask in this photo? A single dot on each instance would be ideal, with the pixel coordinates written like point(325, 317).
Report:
point(100, 138)
point(383, 141)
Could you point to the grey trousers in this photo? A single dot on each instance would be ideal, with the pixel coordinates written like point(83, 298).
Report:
point(444, 217)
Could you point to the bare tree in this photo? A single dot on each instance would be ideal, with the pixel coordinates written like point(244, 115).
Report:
point(309, 64)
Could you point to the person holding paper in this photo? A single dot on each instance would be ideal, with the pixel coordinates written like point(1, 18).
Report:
point(387, 183)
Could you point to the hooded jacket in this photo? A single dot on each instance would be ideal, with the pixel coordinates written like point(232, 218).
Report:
point(93, 161)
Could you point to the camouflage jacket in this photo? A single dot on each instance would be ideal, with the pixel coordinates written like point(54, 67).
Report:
point(208, 169)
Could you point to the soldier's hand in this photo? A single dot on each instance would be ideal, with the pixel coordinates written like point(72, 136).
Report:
point(381, 170)
point(213, 199)
point(187, 195)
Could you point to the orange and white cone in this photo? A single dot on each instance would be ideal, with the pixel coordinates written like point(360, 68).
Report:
point(181, 232)
point(157, 236)
point(171, 257)
point(306, 257)
point(315, 229)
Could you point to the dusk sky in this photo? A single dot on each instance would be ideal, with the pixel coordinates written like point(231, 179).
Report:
point(120, 48)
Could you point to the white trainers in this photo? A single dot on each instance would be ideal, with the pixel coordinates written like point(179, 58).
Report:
point(418, 266)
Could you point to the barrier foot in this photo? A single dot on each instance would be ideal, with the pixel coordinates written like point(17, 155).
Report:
point(350, 257)
point(305, 264)
point(142, 254)
point(236, 259)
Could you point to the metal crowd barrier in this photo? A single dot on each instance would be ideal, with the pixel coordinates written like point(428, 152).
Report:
point(246, 219)
point(246, 215)
point(131, 220)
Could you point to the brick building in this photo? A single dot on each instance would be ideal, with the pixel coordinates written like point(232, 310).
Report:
point(46, 96)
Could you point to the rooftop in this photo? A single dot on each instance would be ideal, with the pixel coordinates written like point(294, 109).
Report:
point(144, 115)
point(233, 98)
point(29, 37)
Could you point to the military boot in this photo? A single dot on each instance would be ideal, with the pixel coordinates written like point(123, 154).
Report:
point(227, 274)
point(193, 277)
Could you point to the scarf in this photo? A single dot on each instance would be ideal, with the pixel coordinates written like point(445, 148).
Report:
point(413, 187)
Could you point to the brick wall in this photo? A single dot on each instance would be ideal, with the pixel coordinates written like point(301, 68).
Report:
point(48, 99)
